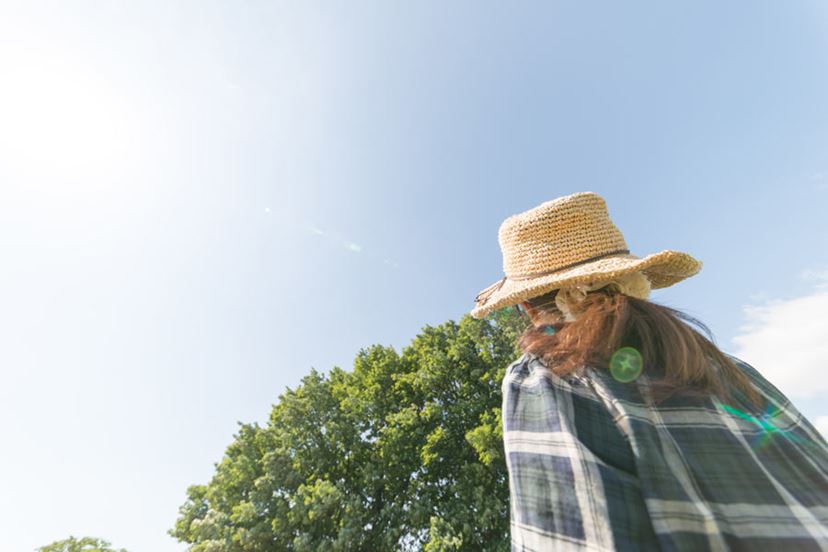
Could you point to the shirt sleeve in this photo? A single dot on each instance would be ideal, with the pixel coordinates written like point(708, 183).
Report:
point(562, 495)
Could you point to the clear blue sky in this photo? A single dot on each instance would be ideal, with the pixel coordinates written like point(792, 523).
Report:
point(200, 201)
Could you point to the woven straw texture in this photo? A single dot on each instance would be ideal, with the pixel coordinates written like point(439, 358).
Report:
point(567, 241)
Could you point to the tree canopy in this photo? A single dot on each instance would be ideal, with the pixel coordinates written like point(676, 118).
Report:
point(404, 452)
point(83, 544)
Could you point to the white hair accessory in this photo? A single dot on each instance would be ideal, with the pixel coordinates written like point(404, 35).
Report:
point(568, 299)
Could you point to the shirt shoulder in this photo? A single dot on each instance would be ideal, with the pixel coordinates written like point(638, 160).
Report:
point(530, 373)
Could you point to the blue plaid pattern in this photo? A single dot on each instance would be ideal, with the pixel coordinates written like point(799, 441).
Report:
point(594, 465)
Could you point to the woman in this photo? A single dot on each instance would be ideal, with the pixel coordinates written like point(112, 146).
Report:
point(625, 428)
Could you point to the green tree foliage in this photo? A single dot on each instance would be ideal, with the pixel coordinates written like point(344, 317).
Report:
point(83, 544)
point(404, 452)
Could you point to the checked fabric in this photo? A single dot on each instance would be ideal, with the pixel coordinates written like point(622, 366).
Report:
point(595, 465)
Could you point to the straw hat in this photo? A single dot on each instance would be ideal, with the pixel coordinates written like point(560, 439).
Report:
point(571, 241)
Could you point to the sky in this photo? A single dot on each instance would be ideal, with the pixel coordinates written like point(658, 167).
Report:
point(201, 201)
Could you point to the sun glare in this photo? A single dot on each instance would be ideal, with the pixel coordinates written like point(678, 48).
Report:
point(58, 115)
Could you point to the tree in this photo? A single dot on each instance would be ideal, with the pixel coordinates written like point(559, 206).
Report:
point(404, 452)
point(84, 544)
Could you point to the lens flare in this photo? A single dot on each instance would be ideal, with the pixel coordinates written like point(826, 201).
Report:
point(770, 432)
point(626, 364)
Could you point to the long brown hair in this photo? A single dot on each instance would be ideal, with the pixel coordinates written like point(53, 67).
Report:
point(675, 355)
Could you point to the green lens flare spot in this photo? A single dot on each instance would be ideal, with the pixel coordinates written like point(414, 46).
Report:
point(549, 330)
point(626, 364)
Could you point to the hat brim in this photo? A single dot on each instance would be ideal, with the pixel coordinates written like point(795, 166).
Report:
point(663, 269)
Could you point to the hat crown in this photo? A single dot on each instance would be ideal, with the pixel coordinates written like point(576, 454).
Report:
point(557, 234)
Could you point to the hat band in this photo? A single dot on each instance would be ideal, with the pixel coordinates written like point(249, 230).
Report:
point(584, 261)
point(486, 293)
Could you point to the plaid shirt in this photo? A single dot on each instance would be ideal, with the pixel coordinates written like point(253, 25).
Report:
point(593, 467)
